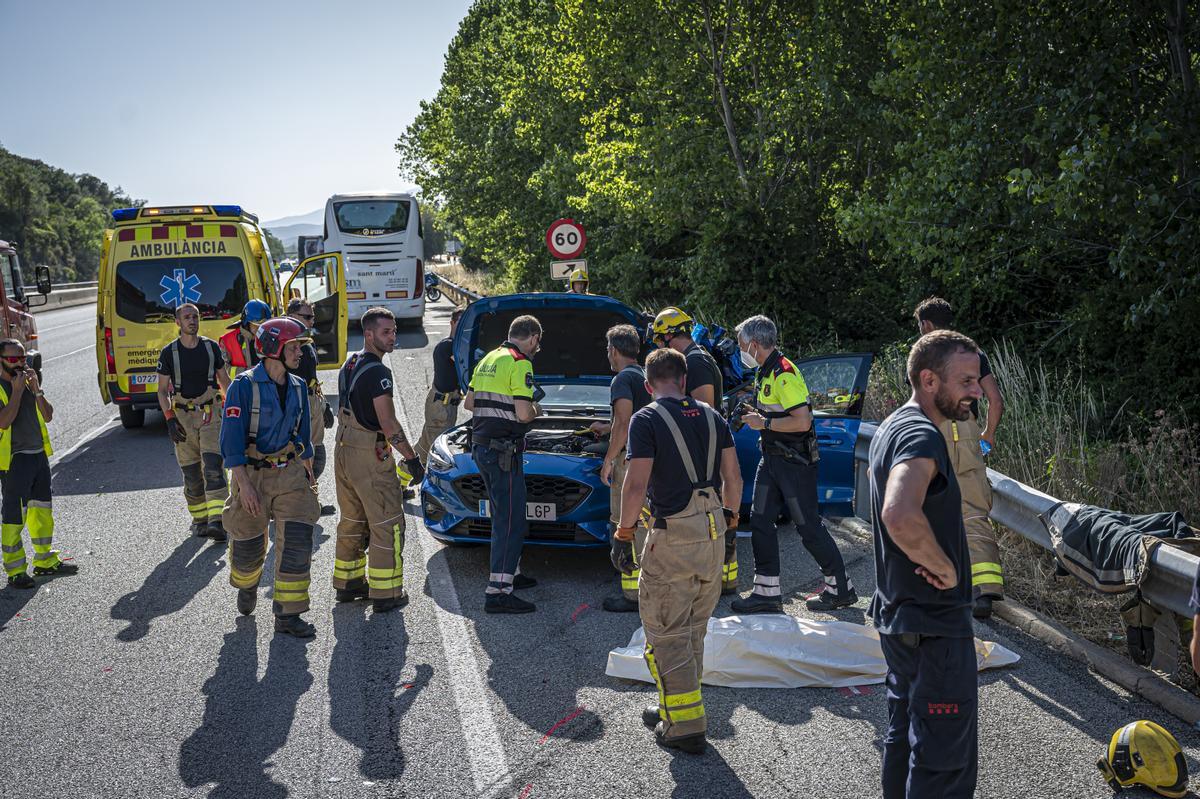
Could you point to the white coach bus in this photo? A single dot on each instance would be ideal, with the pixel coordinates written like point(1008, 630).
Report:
point(380, 237)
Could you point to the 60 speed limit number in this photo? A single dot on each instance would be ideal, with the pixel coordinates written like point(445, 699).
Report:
point(565, 238)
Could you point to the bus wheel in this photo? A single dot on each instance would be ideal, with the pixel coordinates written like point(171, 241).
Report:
point(132, 417)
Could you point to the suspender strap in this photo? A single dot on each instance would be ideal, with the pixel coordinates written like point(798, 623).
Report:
point(344, 391)
point(256, 408)
point(301, 403)
point(178, 375)
point(685, 454)
point(209, 347)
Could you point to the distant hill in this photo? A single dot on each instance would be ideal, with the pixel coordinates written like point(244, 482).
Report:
point(287, 229)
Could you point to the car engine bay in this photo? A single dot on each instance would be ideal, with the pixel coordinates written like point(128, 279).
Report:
point(558, 435)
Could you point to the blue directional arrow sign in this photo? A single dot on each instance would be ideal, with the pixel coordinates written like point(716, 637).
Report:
point(180, 288)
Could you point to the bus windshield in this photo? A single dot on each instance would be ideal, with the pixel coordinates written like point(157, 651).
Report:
point(372, 217)
point(149, 291)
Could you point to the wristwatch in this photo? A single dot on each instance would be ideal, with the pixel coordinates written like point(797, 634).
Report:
point(767, 423)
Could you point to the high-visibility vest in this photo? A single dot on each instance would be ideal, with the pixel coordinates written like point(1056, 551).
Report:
point(236, 352)
point(6, 435)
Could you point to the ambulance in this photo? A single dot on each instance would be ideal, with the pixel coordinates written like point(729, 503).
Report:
point(213, 256)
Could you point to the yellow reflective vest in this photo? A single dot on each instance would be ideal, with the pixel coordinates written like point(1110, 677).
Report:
point(6, 436)
point(503, 375)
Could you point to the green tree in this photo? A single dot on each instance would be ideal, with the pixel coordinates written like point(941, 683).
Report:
point(277, 249)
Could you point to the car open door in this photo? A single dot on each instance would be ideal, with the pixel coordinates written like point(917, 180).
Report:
point(837, 386)
point(322, 282)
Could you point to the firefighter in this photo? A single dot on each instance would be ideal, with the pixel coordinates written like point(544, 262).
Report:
point(501, 398)
point(922, 602)
point(25, 470)
point(682, 458)
point(787, 476)
point(266, 444)
point(965, 441)
point(627, 396)
point(190, 371)
point(238, 344)
point(673, 328)
point(320, 415)
point(578, 282)
point(369, 560)
point(442, 401)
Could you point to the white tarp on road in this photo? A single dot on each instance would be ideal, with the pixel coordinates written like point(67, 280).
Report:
point(779, 651)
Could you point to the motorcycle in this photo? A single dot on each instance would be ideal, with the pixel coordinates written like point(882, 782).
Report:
point(432, 292)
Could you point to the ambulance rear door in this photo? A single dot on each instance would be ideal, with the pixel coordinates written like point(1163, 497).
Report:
point(321, 281)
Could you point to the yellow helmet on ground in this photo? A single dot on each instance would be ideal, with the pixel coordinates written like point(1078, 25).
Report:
point(1143, 753)
point(670, 321)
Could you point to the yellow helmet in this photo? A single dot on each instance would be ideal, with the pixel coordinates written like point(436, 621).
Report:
point(670, 321)
point(578, 275)
point(1143, 753)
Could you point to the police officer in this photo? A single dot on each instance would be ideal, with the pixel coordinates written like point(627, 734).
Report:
point(681, 455)
point(786, 477)
point(238, 344)
point(190, 371)
point(965, 440)
point(266, 444)
point(369, 560)
point(25, 470)
point(922, 602)
point(441, 404)
point(627, 396)
point(501, 399)
point(319, 413)
point(673, 328)
point(577, 282)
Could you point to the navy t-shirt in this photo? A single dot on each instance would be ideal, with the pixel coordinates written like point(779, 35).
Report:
point(376, 381)
point(904, 602)
point(649, 437)
point(630, 384)
point(193, 367)
point(445, 379)
point(702, 370)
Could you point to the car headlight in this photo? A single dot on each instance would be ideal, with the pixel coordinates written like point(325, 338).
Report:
point(440, 459)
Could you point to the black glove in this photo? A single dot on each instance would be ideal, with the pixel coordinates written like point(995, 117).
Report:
point(175, 431)
point(731, 523)
point(413, 466)
point(622, 556)
point(328, 417)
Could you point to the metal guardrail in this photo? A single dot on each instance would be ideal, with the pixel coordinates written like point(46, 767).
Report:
point(1018, 506)
point(458, 294)
point(64, 295)
point(91, 284)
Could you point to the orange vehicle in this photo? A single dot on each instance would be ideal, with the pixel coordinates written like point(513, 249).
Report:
point(15, 304)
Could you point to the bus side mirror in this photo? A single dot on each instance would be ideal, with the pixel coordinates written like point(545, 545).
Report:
point(42, 274)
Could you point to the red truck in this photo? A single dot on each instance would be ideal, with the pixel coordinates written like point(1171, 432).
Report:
point(16, 320)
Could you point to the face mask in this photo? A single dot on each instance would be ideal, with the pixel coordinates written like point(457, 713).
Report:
point(748, 360)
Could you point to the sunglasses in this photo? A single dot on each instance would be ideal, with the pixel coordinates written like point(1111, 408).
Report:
point(13, 358)
point(307, 316)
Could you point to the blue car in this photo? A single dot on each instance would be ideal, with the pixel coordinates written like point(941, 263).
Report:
point(568, 505)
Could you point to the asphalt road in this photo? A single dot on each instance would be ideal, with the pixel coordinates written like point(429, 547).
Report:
point(136, 678)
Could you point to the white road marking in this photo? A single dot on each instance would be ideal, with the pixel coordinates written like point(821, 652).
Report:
point(84, 321)
point(67, 455)
point(72, 352)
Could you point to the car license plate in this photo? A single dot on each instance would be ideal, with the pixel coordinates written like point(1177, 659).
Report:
point(143, 379)
point(534, 511)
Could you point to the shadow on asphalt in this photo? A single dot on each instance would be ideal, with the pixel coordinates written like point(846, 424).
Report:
point(246, 720)
point(368, 695)
point(120, 460)
point(12, 603)
point(170, 586)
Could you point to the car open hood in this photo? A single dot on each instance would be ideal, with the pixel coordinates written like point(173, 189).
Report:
point(574, 348)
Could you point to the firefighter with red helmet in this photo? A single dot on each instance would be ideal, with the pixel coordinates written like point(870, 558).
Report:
point(266, 443)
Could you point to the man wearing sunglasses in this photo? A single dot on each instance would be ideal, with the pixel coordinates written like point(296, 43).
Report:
point(318, 409)
point(25, 464)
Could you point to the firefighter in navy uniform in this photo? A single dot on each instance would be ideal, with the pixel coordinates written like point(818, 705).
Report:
point(190, 371)
point(238, 344)
point(786, 477)
point(369, 560)
point(922, 602)
point(320, 415)
point(682, 458)
point(266, 444)
point(441, 404)
point(673, 328)
point(501, 398)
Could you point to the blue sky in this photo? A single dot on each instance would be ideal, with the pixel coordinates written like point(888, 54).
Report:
point(274, 105)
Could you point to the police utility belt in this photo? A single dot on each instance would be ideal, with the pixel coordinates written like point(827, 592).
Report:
point(509, 449)
point(447, 398)
point(803, 452)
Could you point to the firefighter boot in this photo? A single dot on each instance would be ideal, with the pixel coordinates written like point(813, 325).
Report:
point(390, 603)
point(294, 626)
point(246, 600)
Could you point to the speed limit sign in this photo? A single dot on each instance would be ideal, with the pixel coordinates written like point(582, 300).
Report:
point(565, 239)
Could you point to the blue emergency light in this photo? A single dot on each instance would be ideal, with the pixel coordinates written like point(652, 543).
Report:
point(124, 214)
point(227, 210)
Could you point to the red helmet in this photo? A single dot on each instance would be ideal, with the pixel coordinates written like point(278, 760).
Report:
point(274, 333)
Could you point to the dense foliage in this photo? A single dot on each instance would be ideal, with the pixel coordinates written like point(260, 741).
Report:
point(56, 219)
point(831, 162)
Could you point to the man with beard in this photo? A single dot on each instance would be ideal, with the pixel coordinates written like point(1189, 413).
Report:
point(922, 602)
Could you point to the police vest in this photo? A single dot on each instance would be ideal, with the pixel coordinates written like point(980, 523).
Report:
point(504, 375)
point(780, 390)
point(210, 347)
point(6, 435)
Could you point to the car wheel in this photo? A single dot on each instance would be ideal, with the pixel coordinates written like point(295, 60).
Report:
point(132, 417)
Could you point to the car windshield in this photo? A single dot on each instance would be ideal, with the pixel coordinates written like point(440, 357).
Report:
point(372, 217)
point(148, 291)
point(576, 395)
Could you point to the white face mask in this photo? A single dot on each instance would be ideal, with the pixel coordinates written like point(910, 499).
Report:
point(748, 359)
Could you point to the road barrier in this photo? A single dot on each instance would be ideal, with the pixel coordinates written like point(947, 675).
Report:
point(457, 294)
point(64, 295)
point(1018, 506)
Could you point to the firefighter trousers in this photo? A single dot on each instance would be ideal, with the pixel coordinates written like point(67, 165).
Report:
point(26, 487)
point(678, 591)
point(629, 582)
point(287, 499)
point(199, 456)
point(966, 457)
point(779, 485)
point(370, 532)
point(439, 417)
point(316, 410)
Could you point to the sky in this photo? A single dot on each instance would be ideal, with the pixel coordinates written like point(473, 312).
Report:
point(268, 104)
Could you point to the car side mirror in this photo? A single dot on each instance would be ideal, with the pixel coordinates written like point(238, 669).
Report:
point(42, 274)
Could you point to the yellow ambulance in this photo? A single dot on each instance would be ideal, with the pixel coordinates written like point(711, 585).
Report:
point(213, 256)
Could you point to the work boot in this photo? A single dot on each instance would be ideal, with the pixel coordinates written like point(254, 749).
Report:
point(983, 606)
point(756, 603)
point(828, 600)
point(507, 603)
point(21, 580)
point(200, 529)
point(409, 493)
point(216, 530)
point(521, 582)
point(620, 604)
point(391, 603)
point(694, 744)
point(294, 626)
point(356, 590)
point(328, 510)
point(247, 599)
point(61, 568)
point(650, 716)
